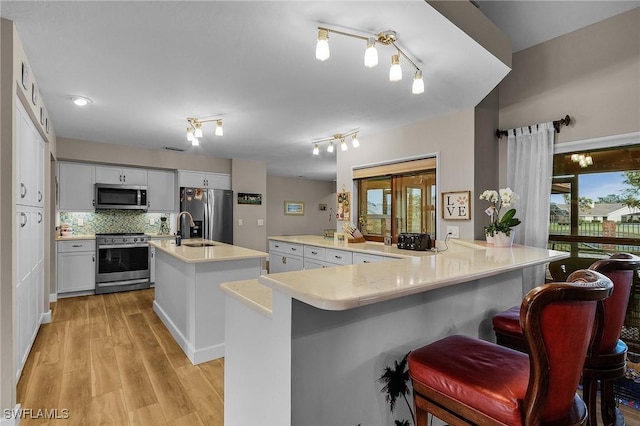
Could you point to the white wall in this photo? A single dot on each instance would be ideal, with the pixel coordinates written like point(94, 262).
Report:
point(312, 193)
point(451, 137)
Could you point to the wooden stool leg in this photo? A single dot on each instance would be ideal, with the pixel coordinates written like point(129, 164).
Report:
point(610, 414)
point(422, 417)
point(589, 392)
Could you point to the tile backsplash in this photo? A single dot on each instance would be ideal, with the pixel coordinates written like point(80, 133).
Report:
point(104, 221)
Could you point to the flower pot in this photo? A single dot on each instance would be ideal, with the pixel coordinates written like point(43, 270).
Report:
point(503, 240)
point(489, 239)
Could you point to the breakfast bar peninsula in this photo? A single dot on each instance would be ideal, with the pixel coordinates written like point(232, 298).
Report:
point(188, 298)
point(308, 347)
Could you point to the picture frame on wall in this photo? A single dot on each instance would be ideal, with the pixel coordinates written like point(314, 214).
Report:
point(344, 206)
point(295, 208)
point(456, 205)
point(246, 198)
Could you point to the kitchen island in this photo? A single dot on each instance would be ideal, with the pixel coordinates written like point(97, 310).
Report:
point(307, 347)
point(188, 299)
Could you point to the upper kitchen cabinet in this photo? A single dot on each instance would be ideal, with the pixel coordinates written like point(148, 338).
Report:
point(188, 179)
point(162, 193)
point(75, 187)
point(30, 153)
point(120, 175)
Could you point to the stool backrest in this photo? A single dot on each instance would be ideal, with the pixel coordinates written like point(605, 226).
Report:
point(558, 320)
point(620, 268)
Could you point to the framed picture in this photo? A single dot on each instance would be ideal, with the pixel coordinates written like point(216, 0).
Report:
point(344, 206)
point(340, 238)
point(246, 198)
point(294, 208)
point(456, 205)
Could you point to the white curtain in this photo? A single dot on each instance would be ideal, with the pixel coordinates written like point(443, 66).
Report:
point(529, 173)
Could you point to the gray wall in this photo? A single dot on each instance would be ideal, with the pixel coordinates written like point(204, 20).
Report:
point(250, 176)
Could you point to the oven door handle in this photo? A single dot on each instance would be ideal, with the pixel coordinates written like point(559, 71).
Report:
point(113, 246)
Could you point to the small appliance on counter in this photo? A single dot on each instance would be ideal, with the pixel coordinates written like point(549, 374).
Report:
point(417, 242)
point(66, 230)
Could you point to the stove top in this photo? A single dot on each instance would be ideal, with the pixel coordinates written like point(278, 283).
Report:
point(120, 238)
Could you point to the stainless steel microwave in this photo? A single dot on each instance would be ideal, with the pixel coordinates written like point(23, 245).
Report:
point(121, 197)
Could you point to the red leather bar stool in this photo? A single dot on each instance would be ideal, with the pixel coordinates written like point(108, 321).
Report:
point(606, 358)
point(468, 381)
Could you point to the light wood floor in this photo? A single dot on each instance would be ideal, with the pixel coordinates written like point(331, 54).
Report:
point(109, 360)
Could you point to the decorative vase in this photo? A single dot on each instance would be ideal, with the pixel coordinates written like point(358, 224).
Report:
point(489, 239)
point(503, 240)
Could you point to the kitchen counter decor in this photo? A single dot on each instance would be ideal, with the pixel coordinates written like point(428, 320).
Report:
point(499, 231)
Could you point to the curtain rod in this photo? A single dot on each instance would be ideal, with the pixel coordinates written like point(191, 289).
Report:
point(556, 125)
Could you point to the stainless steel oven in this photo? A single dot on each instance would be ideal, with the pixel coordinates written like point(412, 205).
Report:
point(122, 262)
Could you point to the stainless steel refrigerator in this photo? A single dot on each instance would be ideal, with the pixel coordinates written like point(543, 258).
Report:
point(212, 211)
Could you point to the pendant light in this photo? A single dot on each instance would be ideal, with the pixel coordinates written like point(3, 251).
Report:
point(330, 147)
point(316, 150)
point(195, 142)
point(322, 46)
point(371, 54)
point(418, 83)
point(343, 145)
point(354, 141)
point(395, 72)
point(198, 132)
point(189, 134)
point(219, 130)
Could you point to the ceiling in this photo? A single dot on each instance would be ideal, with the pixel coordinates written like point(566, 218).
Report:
point(148, 66)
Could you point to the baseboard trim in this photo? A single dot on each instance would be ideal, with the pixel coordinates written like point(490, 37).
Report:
point(46, 317)
point(53, 297)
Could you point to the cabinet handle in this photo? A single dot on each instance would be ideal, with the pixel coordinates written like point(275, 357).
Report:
point(276, 246)
point(93, 202)
point(124, 178)
point(76, 245)
point(148, 203)
point(93, 258)
point(39, 217)
point(293, 249)
point(314, 252)
point(39, 196)
point(338, 257)
point(365, 261)
point(23, 190)
point(23, 224)
point(284, 260)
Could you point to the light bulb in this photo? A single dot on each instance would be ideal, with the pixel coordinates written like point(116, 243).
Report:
point(322, 46)
point(316, 150)
point(81, 101)
point(588, 160)
point(418, 83)
point(189, 134)
point(195, 142)
point(219, 130)
point(371, 54)
point(343, 145)
point(395, 72)
point(330, 147)
point(355, 142)
point(198, 132)
point(575, 158)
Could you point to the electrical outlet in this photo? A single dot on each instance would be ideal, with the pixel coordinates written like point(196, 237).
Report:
point(240, 222)
point(260, 222)
point(454, 231)
point(151, 222)
point(80, 221)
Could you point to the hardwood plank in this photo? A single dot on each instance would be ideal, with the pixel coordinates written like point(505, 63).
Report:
point(150, 415)
point(143, 299)
point(75, 396)
point(71, 308)
point(214, 371)
point(172, 350)
point(77, 355)
point(206, 401)
point(115, 317)
point(166, 385)
point(53, 338)
point(136, 385)
point(97, 317)
point(45, 388)
point(191, 419)
point(127, 303)
point(108, 409)
point(28, 371)
point(104, 367)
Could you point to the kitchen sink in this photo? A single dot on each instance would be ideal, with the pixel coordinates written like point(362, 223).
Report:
point(199, 244)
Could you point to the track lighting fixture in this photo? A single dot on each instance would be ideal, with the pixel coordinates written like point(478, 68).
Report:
point(582, 159)
point(371, 54)
point(337, 138)
point(194, 131)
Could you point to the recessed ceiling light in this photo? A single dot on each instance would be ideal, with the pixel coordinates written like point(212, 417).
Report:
point(81, 100)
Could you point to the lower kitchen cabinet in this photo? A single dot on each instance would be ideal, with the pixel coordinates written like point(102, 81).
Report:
point(76, 266)
point(285, 257)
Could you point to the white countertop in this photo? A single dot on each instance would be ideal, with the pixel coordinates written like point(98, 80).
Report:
point(219, 253)
point(350, 286)
point(252, 294)
point(368, 247)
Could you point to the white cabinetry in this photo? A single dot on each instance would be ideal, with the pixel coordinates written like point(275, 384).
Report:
point(119, 175)
point(76, 265)
point(162, 193)
point(29, 233)
point(369, 258)
point(204, 180)
point(285, 257)
point(75, 187)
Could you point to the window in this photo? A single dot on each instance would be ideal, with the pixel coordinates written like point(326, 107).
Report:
point(594, 208)
point(397, 203)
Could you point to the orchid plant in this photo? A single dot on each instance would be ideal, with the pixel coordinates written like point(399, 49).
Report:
point(505, 197)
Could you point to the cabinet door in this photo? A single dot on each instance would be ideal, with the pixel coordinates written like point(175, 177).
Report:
point(217, 180)
point(75, 190)
point(294, 263)
point(191, 179)
point(132, 176)
point(76, 271)
point(162, 193)
point(277, 263)
point(26, 157)
point(110, 175)
point(39, 169)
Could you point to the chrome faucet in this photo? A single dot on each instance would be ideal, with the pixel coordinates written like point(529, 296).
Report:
point(191, 223)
